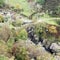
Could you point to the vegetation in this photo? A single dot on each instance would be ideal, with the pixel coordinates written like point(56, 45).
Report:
point(3, 57)
point(1, 18)
point(28, 28)
point(17, 23)
point(22, 34)
point(1, 3)
point(46, 31)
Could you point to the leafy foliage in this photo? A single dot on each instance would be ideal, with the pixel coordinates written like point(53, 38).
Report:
point(13, 35)
point(22, 54)
point(10, 42)
point(19, 51)
point(17, 23)
point(1, 18)
point(22, 34)
point(5, 33)
point(4, 48)
point(46, 31)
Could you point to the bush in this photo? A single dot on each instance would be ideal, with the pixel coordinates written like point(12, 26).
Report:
point(5, 33)
point(3, 48)
point(22, 54)
point(40, 28)
point(1, 18)
point(10, 42)
point(46, 31)
point(22, 34)
point(17, 23)
point(19, 51)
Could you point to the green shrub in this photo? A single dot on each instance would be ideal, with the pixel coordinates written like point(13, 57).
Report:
point(10, 42)
point(17, 23)
point(22, 54)
point(45, 31)
point(22, 34)
point(20, 51)
point(3, 48)
point(5, 33)
point(40, 28)
point(1, 18)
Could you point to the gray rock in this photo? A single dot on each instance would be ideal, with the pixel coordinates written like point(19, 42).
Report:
point(55, 48)
point(32, 59)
